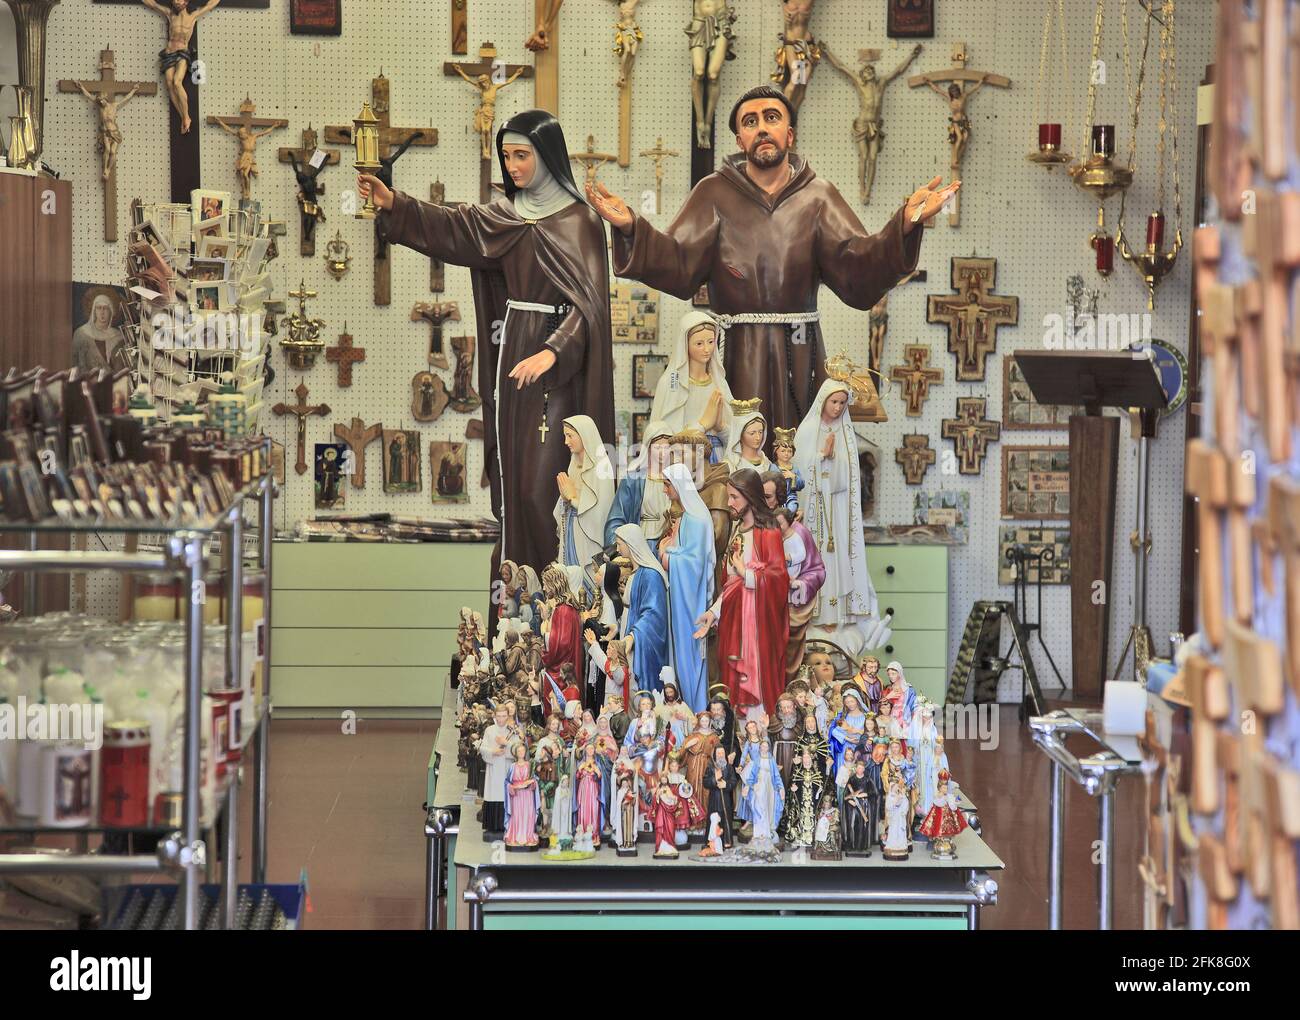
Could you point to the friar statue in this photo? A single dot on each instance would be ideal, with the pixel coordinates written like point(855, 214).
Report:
point(764, 233)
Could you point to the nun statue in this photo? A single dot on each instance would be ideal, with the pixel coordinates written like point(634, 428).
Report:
point(539, 264)
point(586, 494)
point(645, 627)
point(693, 392)
point(689, 555)
point(826, 454)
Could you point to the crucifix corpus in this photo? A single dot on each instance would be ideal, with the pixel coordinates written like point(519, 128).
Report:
point(591, 159)
point(301, 410)
point(797, 52)
point(393, 141)
point(178, 54)
point(973, 315)
point(916, 375)
point(971, 434)
point(915, 456)
point(241, 128)
point(627, 41)
point(544, 43)
point(308, 163)
point(436, 313)
point(488, 76)
point(659, 154)
point(358, 437)
point(956, 94)
point(105, 93)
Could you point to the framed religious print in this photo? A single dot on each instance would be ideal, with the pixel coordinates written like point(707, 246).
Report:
point(950, 507)
point(217, 247)
point(402, 456)
point(330, 462)
point(208, 270)
point(646, 370)
point(316, 17)
point(910, 19)
point(1019, 408)
point(1035, 482)
point(447, 470)
point(99, 311)
point(208, 211)
point(634, 313)
point(640, 419)
point(1043, 553)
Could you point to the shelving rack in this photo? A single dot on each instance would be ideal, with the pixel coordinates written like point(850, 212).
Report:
point(182, 854)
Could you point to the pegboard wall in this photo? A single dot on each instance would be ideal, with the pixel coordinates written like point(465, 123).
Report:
point(1035, 224)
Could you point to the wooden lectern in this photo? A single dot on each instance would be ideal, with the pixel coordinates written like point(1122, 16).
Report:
point(1093, 379)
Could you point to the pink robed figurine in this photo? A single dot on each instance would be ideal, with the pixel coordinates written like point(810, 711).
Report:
point(522, 802)
point(589, 805)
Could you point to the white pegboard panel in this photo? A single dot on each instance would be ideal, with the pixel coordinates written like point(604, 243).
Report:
point(1034, 223)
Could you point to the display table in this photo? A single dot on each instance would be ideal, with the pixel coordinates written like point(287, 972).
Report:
point(507, 891)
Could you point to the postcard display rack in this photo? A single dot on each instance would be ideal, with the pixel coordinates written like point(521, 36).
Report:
point(182, 552)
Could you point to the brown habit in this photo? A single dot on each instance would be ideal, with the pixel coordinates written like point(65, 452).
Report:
point(760, 253)
point(560, 260)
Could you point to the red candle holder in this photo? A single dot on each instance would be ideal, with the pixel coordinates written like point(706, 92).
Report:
point(1049, 137)
point(1104, 246)
point(1155, 232)
point(1103, 141)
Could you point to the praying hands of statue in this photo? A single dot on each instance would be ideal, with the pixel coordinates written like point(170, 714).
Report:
point(926, 202)
point(828, 448)
point(712, 411)
point(567, 489)
point(614, 211)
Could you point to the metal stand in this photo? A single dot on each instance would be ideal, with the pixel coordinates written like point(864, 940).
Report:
point(1020, 597)
point(1097, 774)
point(1139, 634)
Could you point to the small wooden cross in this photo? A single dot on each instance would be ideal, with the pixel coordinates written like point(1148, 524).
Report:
point(916, 375)
point(971, 434)
point(390, 138)
point(345, 355)
point(916, 457)
point(358, 437)
point(436, 313)
point(591, 159)
point(973, 315)
point(310, 186)
point(242, 129)
point(659, 154)
point(105, 93)
point(300, 411)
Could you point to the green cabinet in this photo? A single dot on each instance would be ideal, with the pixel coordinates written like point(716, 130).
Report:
point(912, 583)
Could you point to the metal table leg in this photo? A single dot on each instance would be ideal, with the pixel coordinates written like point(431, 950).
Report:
point(1106, 868)
point(1055, 846)
point(261, 752)
point(230, 868)
point(262, 756)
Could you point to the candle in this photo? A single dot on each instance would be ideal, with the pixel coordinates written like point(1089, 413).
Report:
point(1104, 245)
point(1156, 231)
point(1103, 140)
point(1049, 136)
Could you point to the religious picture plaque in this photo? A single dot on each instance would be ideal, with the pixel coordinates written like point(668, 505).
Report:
point(646, 370)
point(950, 507)
point(1048, 549)
point(910, 19)
point(316, 17)
point(1019, 408)
point(447, 469)
point(634, 314)
point(402, 456)
point(1035, 482)
point(331, 459)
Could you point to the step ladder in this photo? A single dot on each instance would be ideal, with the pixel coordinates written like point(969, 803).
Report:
point(980, 663)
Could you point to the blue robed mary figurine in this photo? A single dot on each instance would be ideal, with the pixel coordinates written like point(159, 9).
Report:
point(690, 556)
point(646, 623)
point(849, 725)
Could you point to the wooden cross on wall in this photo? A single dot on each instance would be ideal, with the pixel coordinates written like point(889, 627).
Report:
point(390, 137)
point(345, 356)
point(915, 456)
point(436, 313)
point(592, 160)
point(109, 96)
point(545, 45)
point(301, 410)
point(500, 75)
point(437, 268)
point(242, 128)
point(307, 243)
point(916, 375)
point(971, 434)
point(358, 437)
point(973, 315)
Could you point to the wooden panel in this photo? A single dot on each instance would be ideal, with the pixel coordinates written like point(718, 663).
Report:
point(1094, 452)
point(433, 566)
point(312, 646)
point(425, 610)
point(914, 648)
point(341, 687)
point(915, 567)
point(50, 327)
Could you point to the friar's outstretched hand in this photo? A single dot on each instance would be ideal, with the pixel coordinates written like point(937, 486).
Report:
point(925, 203)
point(611, 208)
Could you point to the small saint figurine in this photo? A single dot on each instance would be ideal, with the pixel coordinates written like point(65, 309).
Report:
point(783, 452)
point(943, 821)
point(868, 679)
point(746, 437)
point(669, 820)
point(589, 802)
point(764, 798)
point(586, 493)
point(611, 663)
point(522, 803)
point(177, 55)
point(562, 810)
point(826, 835)
point(494, 749)
point(859, 811)
point(698, 748)
point(625, 814)
point(898, 843)
point(850, 725)
point(693, 392)
point(807, 783)
point(901, 694)
point(720, 783)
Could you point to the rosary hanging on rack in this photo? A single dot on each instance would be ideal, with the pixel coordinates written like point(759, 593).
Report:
point(1153, 262)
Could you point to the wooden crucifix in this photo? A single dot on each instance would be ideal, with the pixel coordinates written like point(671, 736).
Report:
point(916, 376)
point(436, 313)
point(915, 456)
point(358, 437)
point(345, 356)
point(591, 159)
point(308, 163)
point(109, 96)
point(973, 315)
point(301, 411)
point(437, 268)
point(460, 27)
point(393, 141)
point(544, 44)
point(955, 94)
point(878, 323)
point(658, 154)
point(627, 43)
point(241, 128)
point(971, 434)
point(488, 76)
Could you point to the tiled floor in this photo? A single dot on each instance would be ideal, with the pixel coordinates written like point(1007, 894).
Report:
point(348, 809)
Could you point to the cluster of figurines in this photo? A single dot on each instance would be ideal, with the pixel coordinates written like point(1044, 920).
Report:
point(837, 769)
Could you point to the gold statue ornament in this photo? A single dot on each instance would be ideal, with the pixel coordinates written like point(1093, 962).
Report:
point(304, 343)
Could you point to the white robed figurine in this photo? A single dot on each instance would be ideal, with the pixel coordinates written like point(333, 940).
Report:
point(764, 798)
point(693, 392)
point(562, 808)
point(586, 493)
point(826, 452)
point(746, 438)
point(897, 841)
